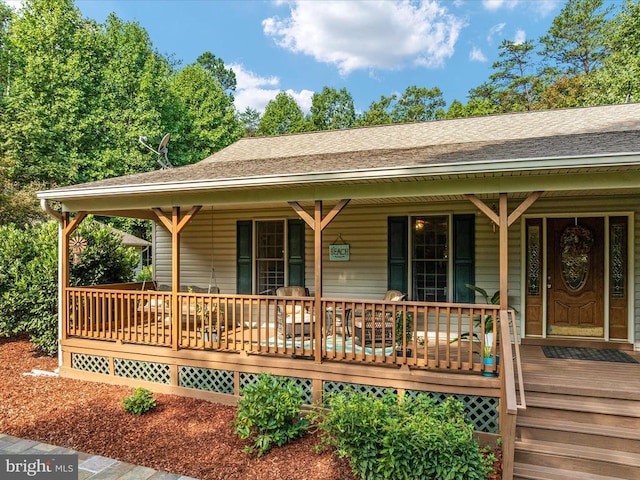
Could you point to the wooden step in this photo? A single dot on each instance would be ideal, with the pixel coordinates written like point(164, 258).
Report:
point(605, 420)
point(526, 471)
point(578, 458)
point(604, 405)
point(623, 438)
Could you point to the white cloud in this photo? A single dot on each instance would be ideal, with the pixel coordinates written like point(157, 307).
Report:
point(545, 7)
point(495, 30)
point(302, 98)
point(520, 37)
point(476, 55)
point(494, 5)
point(255, 92)
point(359, 35)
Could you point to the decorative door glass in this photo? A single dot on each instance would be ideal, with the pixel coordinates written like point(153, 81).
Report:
point(576, 242)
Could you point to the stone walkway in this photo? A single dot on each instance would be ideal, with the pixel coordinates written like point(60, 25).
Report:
point(90, 467)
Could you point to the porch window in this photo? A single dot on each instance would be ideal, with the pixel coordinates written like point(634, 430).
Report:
point(272, 258)
point(270, 255)
point(430, 258)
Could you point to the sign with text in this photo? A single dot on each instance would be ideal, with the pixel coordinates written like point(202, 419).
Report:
point(39, 467)
point(339, 252)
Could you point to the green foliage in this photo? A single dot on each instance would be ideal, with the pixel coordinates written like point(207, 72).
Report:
point(282, 115)
point(269, 413)
point(416, 104)
point(140, 402)
point(404, 328)
point(575, 40)
point(207, 113)
point(146, 275)
point(332, 109)
point(413, 438)
point(29, 276)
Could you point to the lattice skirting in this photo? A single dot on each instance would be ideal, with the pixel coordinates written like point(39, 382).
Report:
point(481, 411)
point(90, 363)
point(148, 371)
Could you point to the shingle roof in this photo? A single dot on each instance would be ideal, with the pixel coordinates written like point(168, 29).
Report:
point(547, 134)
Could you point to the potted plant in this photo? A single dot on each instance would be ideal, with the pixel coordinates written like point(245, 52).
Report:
point(489, 329)
point(408, 331)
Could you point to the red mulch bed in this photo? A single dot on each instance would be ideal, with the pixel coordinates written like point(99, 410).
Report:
point(182, 435)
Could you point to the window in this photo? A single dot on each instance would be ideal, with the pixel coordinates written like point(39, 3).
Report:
point(275, 255)
point(430, 258)
point(436, 267)
point(269, 256)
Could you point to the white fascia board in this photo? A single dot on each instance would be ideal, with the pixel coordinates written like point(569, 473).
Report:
point(450, 169)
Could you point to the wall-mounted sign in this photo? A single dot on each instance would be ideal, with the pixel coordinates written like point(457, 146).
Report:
point(339, 252)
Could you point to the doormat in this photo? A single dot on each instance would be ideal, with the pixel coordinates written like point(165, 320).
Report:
point(576, 353)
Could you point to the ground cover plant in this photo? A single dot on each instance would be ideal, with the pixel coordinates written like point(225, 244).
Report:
point(410, 438)
point(269, 413)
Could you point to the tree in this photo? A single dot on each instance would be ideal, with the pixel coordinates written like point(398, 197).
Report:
point(379, 112)
point(619, 77)
point(282, 115)
point(50, 96)
point(225, 76)
point(419, 104)
point(207, 115)
point(332, 109)
point(250, 121)
point(18, 204)
point(513, 77)
point(575, 41)
point(132, 99)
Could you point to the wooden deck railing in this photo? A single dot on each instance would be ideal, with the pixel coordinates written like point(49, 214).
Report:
point(416, 334)
point(510, 374)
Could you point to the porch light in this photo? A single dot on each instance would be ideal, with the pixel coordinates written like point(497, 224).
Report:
point(419, 225)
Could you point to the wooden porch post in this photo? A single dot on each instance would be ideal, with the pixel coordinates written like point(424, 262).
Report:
point(318, 224)
point(318, 281)
point(68, 227)
point(175, 227)
point(508, 407)
point(176, 311)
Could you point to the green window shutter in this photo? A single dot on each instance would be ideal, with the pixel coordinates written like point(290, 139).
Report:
point(398, 253)
point(463, 257)
point(295, 243)
point(244, 273)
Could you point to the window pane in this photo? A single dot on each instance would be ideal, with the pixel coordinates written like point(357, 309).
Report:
point(430, 258)
point(270, 256)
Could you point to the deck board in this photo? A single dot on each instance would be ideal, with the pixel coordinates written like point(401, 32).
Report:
point(593, 378)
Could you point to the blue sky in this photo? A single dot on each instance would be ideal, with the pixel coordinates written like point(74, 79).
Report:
point(371, 48)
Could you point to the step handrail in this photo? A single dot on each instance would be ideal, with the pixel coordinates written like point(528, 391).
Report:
point(508, 399)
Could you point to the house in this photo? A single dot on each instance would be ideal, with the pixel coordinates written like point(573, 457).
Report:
point(540, 206)
point(140, 245)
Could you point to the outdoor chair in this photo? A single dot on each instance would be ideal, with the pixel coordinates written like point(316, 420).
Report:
point(293, 318)
point(376, 328)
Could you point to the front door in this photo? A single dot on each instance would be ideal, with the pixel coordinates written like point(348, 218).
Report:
point(575, 277)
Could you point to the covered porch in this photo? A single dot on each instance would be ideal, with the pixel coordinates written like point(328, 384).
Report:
point(424, 209)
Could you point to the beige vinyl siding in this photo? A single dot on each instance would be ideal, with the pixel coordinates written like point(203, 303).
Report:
point(364, 228)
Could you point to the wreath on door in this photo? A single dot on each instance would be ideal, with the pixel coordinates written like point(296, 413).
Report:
point(576, 240)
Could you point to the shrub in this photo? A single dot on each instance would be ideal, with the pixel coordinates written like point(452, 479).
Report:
point(269, 413)
point(29, 276)
point(413, 438)
point(140, 402)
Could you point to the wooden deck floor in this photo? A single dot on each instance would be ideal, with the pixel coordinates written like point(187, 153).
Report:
point(592, 378)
